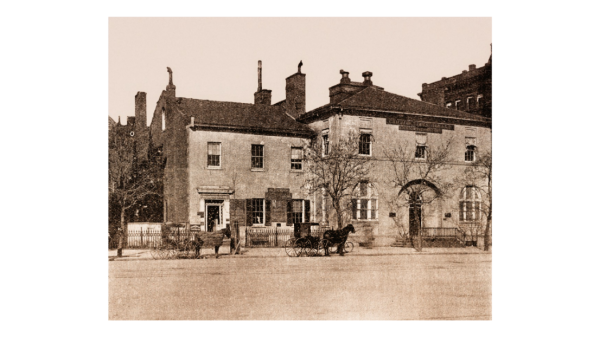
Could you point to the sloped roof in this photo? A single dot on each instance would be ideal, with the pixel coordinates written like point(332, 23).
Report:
point(241, 116)
point(372, 98)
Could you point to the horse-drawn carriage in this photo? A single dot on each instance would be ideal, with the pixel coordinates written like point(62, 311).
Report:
point(186, 244)
point(303, 243)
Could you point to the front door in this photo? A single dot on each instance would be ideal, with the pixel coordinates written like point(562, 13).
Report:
point(213, 217)
point(414, 217)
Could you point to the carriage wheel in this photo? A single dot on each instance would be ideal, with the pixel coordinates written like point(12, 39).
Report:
point(290, 248)
point(348, 247)
point(306, 247)
point(155, 252)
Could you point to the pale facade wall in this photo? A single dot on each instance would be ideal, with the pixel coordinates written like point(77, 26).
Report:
point(387, 137)
point(236, 161)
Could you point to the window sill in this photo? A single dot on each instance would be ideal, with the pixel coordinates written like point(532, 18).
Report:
point(296, 171)
point(364, 155)
point(214, 168)
point(257, 169)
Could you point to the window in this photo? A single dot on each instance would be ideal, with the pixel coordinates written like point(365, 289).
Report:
point(258, 211)
point(364, 202)
point(479, 100)
point(297, 211)
point(364, 145)
point(449, 105)
point(471, 148)
point(421, 151)
point(457, 103)
point(257, 156)
point(325, 144)
point(469, 99)
point(214, 154)
point(470, 204)
point(164, 122)
point(296, 158)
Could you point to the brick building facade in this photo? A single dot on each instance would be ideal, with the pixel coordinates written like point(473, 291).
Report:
point(469, 91)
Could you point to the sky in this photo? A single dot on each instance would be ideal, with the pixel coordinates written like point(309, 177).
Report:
point(216, 58)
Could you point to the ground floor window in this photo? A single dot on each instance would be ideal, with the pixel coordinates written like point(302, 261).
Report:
point(470, 204)
point(258, 211)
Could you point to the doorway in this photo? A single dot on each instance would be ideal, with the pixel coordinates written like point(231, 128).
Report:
point(213, 217)
point(414, 217)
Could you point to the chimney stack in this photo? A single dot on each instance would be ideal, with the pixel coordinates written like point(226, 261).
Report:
point(259, 76)
point(295, 93)
point(367, 75)
point(345, 76)
point(471, 67)
point(261, 96)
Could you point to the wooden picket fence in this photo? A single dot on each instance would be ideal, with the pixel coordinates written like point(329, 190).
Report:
point(274, 237)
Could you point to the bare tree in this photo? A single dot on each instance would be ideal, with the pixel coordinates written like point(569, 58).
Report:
point(335, 169)
point(421, 174)
point(479, 175)
point(129, 183)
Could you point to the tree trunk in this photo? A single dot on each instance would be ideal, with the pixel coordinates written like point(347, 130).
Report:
point(338, 212)
point(486, 235)
point(121, 233)
point(419, 244)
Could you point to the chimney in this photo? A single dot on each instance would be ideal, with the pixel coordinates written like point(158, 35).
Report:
point(261, 96)
point(142, 134)
point(295, 93)
point(345, 76)
point(140, 109)
point(471, 67)
point(367, 75)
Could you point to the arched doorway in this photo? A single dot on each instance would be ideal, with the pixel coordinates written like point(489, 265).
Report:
point(414, 215)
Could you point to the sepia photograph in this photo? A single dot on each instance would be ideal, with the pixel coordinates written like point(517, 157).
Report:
point(300, 168)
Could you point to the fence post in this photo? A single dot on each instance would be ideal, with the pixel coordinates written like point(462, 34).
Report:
point(141, 238)
point(275, 236)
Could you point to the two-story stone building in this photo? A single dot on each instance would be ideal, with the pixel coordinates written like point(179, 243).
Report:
point(227, 162)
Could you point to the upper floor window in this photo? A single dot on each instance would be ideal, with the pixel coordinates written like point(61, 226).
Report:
point(471, 148)
point(365, 144)
point(214, 154)
point(469, 99)
point(457, 104)
point(364, 202)
point(470, 204)
point(257, 156)
point(325, 144)
point(296, 158)
point(449, 105)
point(421, 150)
point(164, 122)
point(479, 100)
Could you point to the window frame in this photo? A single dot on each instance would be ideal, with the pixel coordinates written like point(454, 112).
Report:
point(325, 143)
point(261, 157)
point(456, 103)
point(371, 210)
point(370, 143)
point(298, 161)
point(472, 206)
point(220, 156)
point(255, 211)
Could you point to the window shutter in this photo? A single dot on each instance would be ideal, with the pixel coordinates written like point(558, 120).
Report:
point(306, 210)
point(289, 212)
point(461, 210)
point(354, 209)
point(267, 212)
point(373, 209)
point(248, 212)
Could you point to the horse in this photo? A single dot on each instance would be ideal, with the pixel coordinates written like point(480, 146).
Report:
point(339, 237)
point(210, 238)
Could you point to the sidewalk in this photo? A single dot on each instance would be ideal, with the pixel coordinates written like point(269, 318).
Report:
point(144, 254)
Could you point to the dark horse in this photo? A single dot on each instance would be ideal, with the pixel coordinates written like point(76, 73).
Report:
point(339, 237)
point(200, 238)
